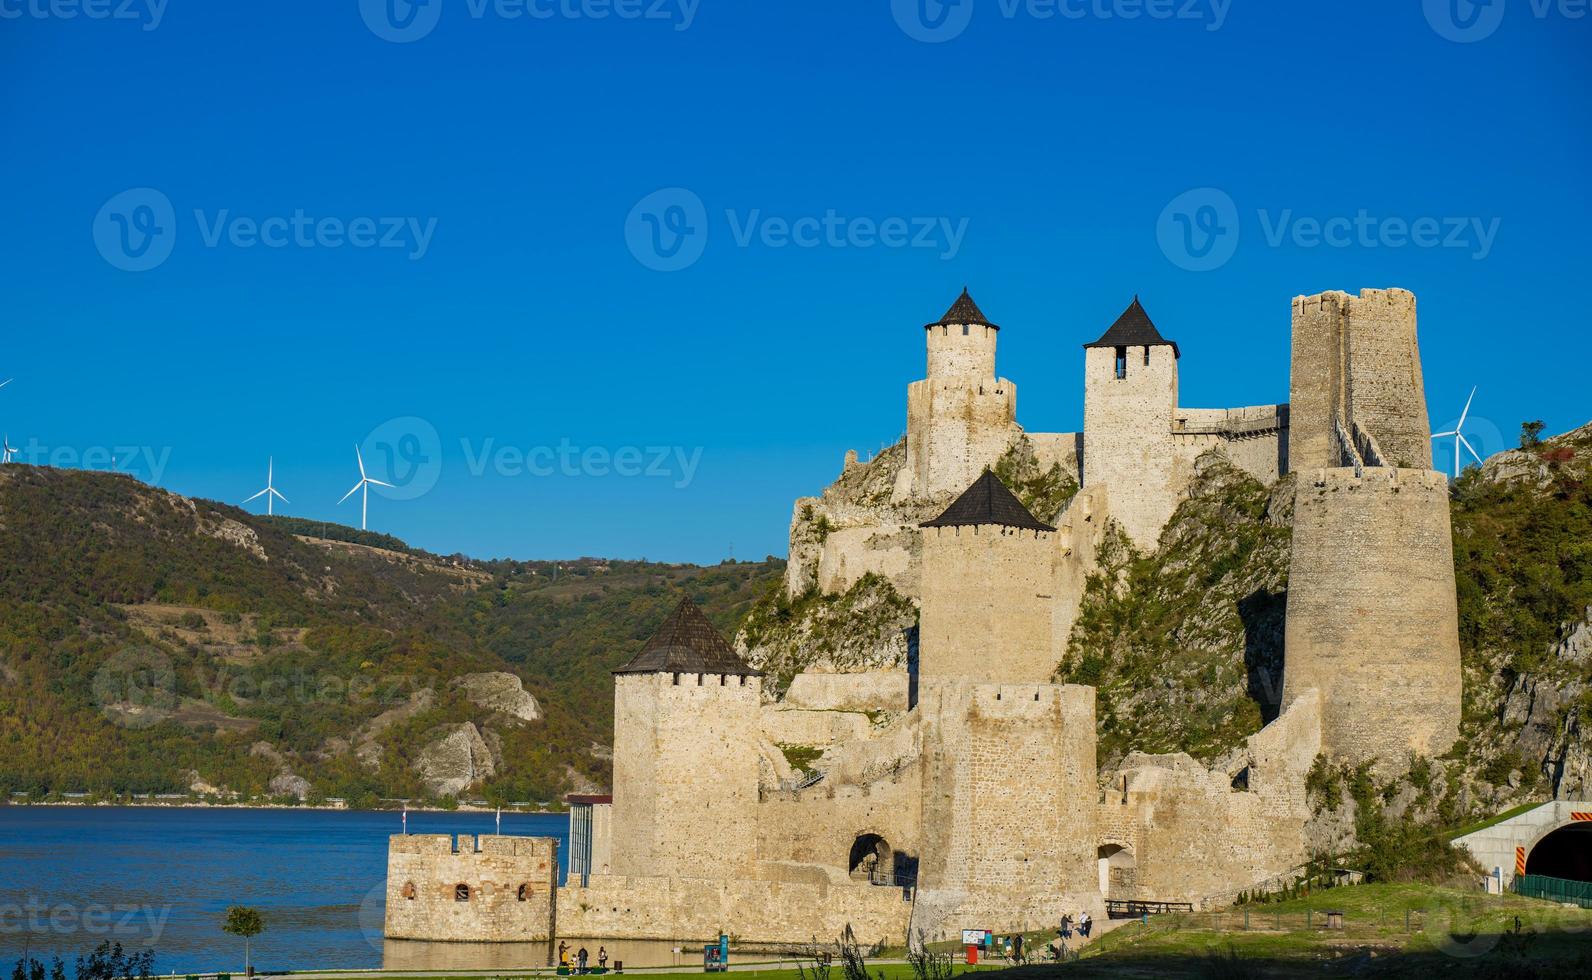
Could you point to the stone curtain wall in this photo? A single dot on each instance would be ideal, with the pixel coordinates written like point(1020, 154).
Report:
point(748, 910)
point(1373, 622)
point(817, 826)
point(987, 598)
point(510, 882)
point(685, 774)
point(1009, 805)
point(1127, 436)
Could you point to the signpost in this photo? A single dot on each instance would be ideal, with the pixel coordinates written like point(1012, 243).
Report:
point(716, 956)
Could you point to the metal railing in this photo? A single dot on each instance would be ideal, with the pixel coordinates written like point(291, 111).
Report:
point(1555, 889)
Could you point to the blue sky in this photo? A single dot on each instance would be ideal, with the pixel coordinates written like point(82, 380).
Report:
point(474, 264)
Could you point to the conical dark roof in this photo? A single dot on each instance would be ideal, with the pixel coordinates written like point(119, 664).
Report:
point(687, 643)
point(964, 310)
point(1134, 329)
point(988, 501)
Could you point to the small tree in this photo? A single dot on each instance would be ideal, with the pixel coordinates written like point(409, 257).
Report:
point(246, 922)
point(1531, 434)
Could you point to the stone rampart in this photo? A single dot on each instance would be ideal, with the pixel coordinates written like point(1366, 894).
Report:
point(486, 889)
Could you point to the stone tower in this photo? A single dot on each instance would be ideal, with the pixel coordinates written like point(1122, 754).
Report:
point(1008, 762)
point(987, 588)
point(961, 417)
point(1130, 397)
point(685, 755)
point(1373, 622)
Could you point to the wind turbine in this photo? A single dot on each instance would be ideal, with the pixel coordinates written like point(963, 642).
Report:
point(270, 487)
point(1459, 438)
point(7, 450)
point(364, 485)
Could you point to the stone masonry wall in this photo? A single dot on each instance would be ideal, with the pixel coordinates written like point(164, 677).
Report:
point(955, 429)
point(817, 826)
point(749, 910)
point(1127, 436)
point(987, 598)
point(487, 889)
point(685, 774)
point(1009, 806)
point(1373, 622)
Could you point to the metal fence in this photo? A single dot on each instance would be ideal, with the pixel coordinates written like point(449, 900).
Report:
point(1555, 889)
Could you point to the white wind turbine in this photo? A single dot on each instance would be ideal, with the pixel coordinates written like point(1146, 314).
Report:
point(1459, 437)
point(7, 450)
point(270, 487)
point(364, 484)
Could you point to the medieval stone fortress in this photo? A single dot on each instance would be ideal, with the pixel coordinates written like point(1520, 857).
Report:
point(961, 786)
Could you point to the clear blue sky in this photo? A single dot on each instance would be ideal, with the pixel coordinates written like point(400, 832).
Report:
point(520, 145)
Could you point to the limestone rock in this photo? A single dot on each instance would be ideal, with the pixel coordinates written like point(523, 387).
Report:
point(287, 784)
point(456, 758)
point(501, 692)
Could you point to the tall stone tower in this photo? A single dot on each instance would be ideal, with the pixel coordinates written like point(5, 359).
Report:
point(685, 755)
point(1130, 397)
point(1373, 621)
point(988, 574)
point(1007, 756)
point(961, 417)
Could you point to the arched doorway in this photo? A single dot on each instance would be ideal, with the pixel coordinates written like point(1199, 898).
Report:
point(871, 859)
point(1563, 853)
point(1117, 871)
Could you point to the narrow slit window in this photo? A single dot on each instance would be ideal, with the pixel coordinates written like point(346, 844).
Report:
point(1122, 362)
point(1147, 357)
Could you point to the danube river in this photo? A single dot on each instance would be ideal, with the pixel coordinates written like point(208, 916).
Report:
point(161, 878)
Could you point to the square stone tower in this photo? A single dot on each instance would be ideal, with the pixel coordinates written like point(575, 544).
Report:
point(685, 755)
point(961, 417)
point(987, 590)
point(1129, 399)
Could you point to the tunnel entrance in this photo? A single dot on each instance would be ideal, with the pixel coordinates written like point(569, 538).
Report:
point(1117, 871)
point(1564, 853)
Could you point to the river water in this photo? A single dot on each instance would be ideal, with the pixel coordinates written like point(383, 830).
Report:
point(161, 878)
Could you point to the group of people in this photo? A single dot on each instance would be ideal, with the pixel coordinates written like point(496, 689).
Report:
point(582, 958)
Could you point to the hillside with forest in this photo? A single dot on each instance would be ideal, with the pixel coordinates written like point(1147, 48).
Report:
point(155, 645)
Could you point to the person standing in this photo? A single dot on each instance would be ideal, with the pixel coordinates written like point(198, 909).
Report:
point(602, 958)
point(563, 955)
point(1084, 922)
point(580, 959)
point(1017, 949)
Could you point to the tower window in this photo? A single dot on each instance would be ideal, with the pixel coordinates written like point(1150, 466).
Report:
point(1146, 357)
point(461, 893)
point(1122, 362)
point(964, 330)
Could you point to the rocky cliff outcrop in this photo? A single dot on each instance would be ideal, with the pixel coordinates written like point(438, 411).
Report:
point(456, 758)
point(500, 692)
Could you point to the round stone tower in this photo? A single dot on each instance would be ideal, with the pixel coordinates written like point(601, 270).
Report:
point(961, 417)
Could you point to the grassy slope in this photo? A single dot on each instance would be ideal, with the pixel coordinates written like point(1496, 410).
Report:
point(345, 633)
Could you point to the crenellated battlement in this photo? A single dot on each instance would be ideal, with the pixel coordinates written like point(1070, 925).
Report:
point(1337, 300)
point(1374, 479)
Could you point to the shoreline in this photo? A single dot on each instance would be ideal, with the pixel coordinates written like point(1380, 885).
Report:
point(202, 805)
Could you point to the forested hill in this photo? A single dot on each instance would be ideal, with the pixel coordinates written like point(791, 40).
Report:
point(150, 643)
